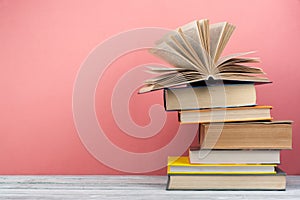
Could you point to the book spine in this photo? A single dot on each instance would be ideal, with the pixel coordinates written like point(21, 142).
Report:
point(165, 97)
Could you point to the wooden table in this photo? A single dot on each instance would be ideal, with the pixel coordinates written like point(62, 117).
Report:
point(123, 187)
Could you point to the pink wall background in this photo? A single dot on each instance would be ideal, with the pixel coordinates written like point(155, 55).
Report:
point(43, 44)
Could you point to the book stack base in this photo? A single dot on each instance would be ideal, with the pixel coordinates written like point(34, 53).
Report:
point(244, 153)
point(239, 144)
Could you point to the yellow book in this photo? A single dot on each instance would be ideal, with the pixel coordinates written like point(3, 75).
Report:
point(181, 165)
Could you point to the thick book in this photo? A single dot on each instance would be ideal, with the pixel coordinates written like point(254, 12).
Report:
point(246, 135)
point(194, 50)
point(227, 181)
point(181, 165)
point(229, 95)
point(251, 113)
point(237, 156)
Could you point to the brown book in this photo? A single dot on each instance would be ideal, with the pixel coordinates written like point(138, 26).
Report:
point(227, 181)
point(249, 135)
point(252, 113)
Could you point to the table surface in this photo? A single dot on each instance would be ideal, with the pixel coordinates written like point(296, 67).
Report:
point(123, 187)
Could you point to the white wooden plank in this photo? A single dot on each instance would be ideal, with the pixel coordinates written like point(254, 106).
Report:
point(123, 187)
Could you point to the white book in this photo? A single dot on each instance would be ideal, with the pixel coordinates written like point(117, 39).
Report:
point(234, 156)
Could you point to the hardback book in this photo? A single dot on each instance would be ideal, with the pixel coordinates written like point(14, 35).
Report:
point(181, 165)
point(236, 114)
point(227, 181)
point(229, 95)
point(246, 135)
point(194, 50)
point(236, 156)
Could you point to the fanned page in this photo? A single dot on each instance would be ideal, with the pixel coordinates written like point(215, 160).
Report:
point(229, 28)
point(239, 69)
point(171, 80)
point(203, 29)
point(225, 59)
point(215, 32)
point(242, 77)
point(203, 33)
point(194, 50)
point(181, 42)
point(190, 33)
point(219, 36)
point(166, 52)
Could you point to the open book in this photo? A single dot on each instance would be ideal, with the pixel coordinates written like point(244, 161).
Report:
point(195, 52)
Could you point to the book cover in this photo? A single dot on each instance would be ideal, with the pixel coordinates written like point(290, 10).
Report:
point(212, 96)
point(251, 113)
point(223, 182)
point(246, 135)
point(236, 156)
point(181, 165)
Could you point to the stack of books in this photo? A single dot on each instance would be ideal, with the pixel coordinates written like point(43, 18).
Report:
point(239, 144)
